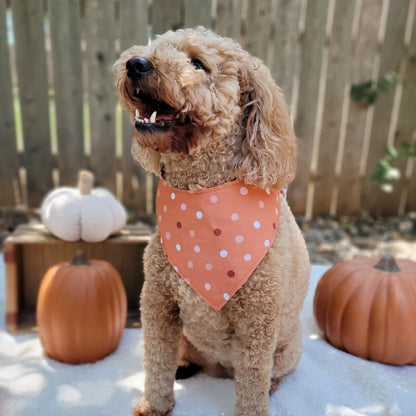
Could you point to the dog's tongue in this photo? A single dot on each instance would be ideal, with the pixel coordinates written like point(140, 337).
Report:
point(165, 116)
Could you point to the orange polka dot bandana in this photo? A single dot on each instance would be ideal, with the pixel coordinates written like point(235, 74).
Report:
point(214, 238)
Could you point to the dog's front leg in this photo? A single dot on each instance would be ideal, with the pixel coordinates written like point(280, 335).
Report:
point(254, 344)
point(161, 333)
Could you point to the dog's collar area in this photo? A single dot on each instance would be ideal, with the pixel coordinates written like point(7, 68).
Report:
point(209, 189)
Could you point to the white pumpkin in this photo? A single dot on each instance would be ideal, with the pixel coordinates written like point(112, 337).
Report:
point(82, 213)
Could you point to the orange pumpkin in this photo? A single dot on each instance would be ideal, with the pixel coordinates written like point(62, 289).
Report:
point(367, 307)
point(81, 310)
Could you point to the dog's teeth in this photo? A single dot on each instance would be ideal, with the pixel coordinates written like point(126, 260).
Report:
point(153, 117)
point(146, 120)
point(178, 116)
point(137, 117)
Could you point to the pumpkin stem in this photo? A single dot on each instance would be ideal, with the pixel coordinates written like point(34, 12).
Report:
point(80, 259)
point(387, 263)
point(85, 182)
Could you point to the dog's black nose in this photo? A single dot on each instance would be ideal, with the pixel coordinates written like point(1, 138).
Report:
point(136, 67)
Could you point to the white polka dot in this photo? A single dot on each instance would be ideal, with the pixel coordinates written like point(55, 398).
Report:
point(178, 247)
point(261, 204)
point(223, 253)
point(247, 257)
point(207, 286)
point(267, 191)
point(276, 211)
point(267, 243)
point(160, 218)
point(165, 208)
point(208, 266)
point(234, 216)
point(199, 214)
point(190, 264)
point(183, 207)
point(187, 281)
point(167, 235)
point(192, 233)
point(226, 296)
point(176, 269)
point(197, 249)
point(214, 199)
point(161, 240)
point(239, 239)
point(256, 224)
point(243, 190)
point(172, 196)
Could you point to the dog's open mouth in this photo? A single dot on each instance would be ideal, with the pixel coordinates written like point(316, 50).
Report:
point(156, 114)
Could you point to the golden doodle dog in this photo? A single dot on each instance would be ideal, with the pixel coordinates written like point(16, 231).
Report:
point(227, 271)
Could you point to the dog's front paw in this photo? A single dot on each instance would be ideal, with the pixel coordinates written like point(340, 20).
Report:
point(143, 408)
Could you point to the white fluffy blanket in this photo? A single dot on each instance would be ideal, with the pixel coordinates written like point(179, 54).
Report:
point(326, 381)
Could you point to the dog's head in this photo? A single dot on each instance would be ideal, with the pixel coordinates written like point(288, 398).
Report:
point(191, 88)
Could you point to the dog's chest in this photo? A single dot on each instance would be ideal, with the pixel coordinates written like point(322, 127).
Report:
point(208, 330)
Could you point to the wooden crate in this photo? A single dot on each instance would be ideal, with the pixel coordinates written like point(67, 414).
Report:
point(31, 250)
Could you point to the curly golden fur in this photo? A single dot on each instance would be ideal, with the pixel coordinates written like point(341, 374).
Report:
point(220, 117)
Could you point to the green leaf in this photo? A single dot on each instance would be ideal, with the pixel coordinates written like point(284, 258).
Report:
point(367, 91)
point(384, 164)
point(392, 152)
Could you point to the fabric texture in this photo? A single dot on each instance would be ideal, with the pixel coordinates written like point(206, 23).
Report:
point(215, 238)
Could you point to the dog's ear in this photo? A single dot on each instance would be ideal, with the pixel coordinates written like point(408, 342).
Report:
point(267, 158)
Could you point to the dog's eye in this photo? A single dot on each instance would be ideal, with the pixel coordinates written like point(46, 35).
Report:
point(198, 64)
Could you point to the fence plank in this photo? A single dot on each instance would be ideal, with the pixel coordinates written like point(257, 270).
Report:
point(390, 61)
point(311, 53)
point(197, 13)
point(67, 74)
point(228, 18)
point(33, 93)
point(133, 25)
point(285, 51)
point(411, 192)
point(406, 125)
point(336, 88)
point(8, 156)
point(363, 55)
point(166, 15)
point(396, 200)
point(99, 29)
point(256, 39)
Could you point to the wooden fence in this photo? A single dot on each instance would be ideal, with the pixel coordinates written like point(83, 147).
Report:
point(58, 109)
